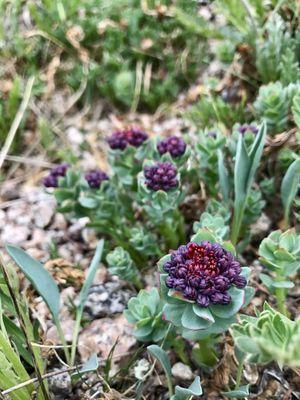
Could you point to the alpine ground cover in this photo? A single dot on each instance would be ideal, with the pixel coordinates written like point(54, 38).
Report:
point(197, 225)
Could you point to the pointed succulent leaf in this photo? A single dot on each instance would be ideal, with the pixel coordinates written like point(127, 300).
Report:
point(194, 389)
point(192, 321)
point(226, 311)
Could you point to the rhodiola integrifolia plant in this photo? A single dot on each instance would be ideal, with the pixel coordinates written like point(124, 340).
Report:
point(203, 287)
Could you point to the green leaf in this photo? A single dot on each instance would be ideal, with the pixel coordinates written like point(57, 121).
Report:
point(223, 177)
point(247, 345)
point(266, 280)
point(163, 359)
point(203, 234)
point(245, 167)
point(91, 274)
point(289, 187)
point(190, 320)
point(194, 389)
point(92, 364)
point(39, 277)
point(88, 202)
point(203, 313)
point(227, 311)
point(241, 392)
point(283, 284)
point(173, 312)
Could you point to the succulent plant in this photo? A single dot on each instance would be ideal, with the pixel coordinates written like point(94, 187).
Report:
point(270, 336)
point(121, 264)
point(214, 223)
point(143, 241)
point(203, 286)
point(280, 253)
point(207, 148)
point(145, 312)
point(272, 105)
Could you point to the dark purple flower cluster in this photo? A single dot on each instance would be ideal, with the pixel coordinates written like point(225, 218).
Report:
point(246, 127)
point(95, 177)
point(174, 145)
point(120, 139)
point(51, 180)
point(203, 273)
point(161, 176)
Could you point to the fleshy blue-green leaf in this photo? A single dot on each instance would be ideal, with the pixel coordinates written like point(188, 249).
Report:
point(194, 389)
point(227, 311)
point(163, 359)
point(241, 392)
point(91, 274)
point(289, 187)
point(92, 364)
point(283, 284)
point(190, 320)
point(203, 313)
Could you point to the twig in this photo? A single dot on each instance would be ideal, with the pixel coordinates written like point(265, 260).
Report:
point(26, 160)
point(17, 120)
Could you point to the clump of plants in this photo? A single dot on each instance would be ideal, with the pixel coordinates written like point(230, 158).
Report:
point(138, 203)
point(134, 54)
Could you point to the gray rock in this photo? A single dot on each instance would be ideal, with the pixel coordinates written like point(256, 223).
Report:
point(14, 234)
point(43, 212)
point(60, 385)
point(182, 371)
point(107, 299)
point(261, 226)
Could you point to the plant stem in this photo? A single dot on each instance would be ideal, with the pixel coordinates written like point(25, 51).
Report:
point(239, 373)
point(169, 233)
point(280, 296)
point(138, 283)
point(180, 228)
point(237, 222)
point(63, 340)
point(207, 352)
point(75, 336)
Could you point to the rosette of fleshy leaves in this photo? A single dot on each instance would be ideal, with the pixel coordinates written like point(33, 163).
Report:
point(143, 241)
point(208, 147)
point(121, 264)
point(203, 286)
point(214, 223)
point(272, 105)
point(269, 336)
point(145, 312)
point(128, 148)
point(280, 253)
